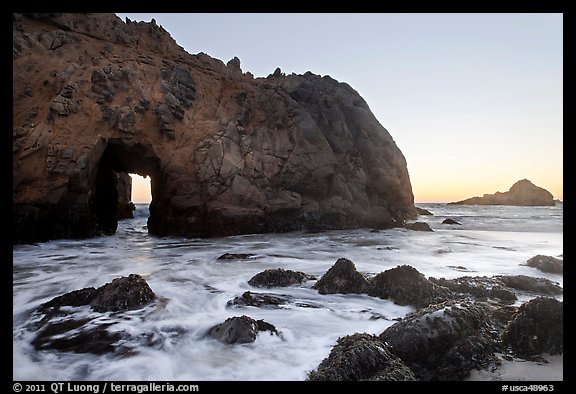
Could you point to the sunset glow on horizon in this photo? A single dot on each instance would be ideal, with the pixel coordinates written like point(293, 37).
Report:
point(141, 189)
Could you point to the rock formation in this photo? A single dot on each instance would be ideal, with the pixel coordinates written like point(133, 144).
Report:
point(361, 357)
point(537, 327)
point(444, 341)
point(546, 264)
point(522, 192)
point(418, 226)
point(125, 206)
point(62, 328)
point(227, 153)
point(240, 329)
point(279, 278)
point(342, 278)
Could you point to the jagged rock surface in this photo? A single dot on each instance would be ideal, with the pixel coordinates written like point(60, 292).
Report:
point(537, 327)
point(227, 153)
point(342, 278)
point(361, 357)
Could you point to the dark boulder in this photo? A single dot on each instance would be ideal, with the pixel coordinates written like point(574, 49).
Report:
point(531, 284)
point(240, 329)
point(73, 298)
point(537, 327)
point(127, 292)
point(418, 226)
point(361, 357)
point(444, 341)
point(342, 278)
point(236, 256)
point(422, 211)
point(261, 300)
point(406, 286)
point(480, 287)
point(60, 329)
point(76, 336)
point(450, 221)
point(279, 278)
point(546, 264)
point(123, 293)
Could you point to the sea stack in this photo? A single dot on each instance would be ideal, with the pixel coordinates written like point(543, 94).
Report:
point(227, 153)
point(522, 192)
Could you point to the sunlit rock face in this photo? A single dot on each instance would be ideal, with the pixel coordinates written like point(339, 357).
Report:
point(227, 153)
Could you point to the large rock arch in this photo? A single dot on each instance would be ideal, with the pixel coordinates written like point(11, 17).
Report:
point(227, 153)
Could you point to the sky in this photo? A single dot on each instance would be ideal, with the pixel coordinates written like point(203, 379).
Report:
point(473, 101)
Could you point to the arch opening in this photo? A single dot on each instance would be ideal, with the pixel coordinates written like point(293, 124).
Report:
point(141, 192)
point(112, 186)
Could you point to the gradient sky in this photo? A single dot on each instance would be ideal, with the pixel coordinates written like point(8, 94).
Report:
point(473, 101)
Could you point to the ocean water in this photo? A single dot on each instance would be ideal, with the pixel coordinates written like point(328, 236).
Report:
point(167, 339)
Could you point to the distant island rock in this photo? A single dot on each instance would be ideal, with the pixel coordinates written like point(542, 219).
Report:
point(227, 153)
point(522, 193)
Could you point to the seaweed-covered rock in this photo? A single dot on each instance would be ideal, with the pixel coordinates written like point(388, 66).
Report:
point(236, 256)
point(537, 327)
point(240, 329)
point(450, 221)
point(531, 284)
point(342, 278)
point(265, 300)
point(74, 298)
point(480, 287)
point(76, 335)
point(361, 357)
point(546, 264)
point(279, 278)
point(406, 286)
point(444, 341)
point(127, 292)
point(60, 329)
point(123, 293)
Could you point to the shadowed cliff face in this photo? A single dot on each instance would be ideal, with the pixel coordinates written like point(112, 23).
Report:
point(227, 154)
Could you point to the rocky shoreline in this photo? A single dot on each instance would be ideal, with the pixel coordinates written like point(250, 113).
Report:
point(459, 326)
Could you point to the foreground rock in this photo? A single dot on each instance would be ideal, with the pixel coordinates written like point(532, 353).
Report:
point(236, 256)
point(361, 357)
point(342, 278)
point(261, 300)
point(76, 336)
point(531, 284)
point(279, 278)
point(480, 287)
point(444, 341)
point(227, 153)
point(522, 192)
point(123, 293)
point(537, 327)
point(546, 264)
point(240, 329)
point(406, 286)
point(127, 292)
point(59, 329)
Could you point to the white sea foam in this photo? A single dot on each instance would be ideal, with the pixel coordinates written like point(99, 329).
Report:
point(168, 338)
